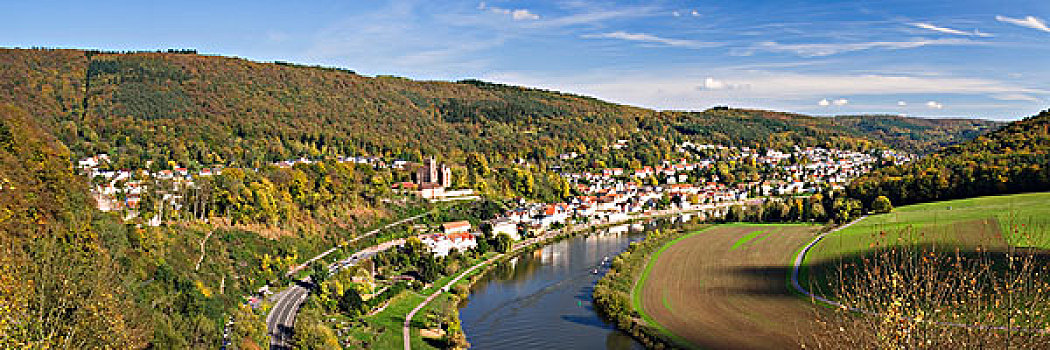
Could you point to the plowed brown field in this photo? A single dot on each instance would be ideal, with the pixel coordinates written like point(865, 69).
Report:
point(726, 288)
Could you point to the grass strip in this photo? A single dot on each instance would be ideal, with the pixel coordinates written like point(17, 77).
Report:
point(746, 238)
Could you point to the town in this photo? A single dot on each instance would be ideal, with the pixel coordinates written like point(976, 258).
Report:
point(691, 182)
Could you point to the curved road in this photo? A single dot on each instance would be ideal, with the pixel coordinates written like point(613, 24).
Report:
point(802, 256)
point(281, 320)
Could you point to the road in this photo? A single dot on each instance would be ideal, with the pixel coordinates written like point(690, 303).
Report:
point(302, 266)
point(281, 320)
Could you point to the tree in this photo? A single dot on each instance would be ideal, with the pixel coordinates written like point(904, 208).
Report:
point(351, 302)
point(881, 205)
point(311, 332)
point(248, 329)
point(502, 242)
point(318, 273)
point(429, 269)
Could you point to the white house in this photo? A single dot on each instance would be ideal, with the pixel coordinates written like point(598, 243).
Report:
point(442, 244)
point(505, 226)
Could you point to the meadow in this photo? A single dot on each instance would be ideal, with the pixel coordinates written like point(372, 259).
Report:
point(1020, 220)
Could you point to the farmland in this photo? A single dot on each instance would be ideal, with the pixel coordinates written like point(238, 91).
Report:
point(989, 222)
point(725, 287)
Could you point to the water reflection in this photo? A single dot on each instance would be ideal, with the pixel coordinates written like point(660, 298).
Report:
point(543, 299)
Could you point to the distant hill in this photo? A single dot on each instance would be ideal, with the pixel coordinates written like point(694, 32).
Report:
point(1012, 159)
point(199, 110)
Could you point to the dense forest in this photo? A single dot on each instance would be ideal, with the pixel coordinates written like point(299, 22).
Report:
point(1012, 159)
point(59, 285)
point(203, 110)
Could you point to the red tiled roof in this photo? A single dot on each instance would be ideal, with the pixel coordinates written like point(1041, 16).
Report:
point(456, 225)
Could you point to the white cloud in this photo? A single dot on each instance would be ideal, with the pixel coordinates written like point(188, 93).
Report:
point(840, 102)
point(695, 13)
point(522, 14)
point(950, 30)
point(713, 84)
point(824, 103)
point(1015, 97)
point(649, 38)
point(818, 50)
point(902, 103)
point(1030, 22)
point(676, 13)
point(516, 14)
point(934, 105)
point(393, 40)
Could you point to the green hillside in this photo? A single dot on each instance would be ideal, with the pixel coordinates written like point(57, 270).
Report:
point(1012, 159)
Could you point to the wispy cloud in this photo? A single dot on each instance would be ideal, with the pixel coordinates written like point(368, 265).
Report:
point(395, 40)
point(1030, 22)
point(653, 39)
point(597, 16)
point(690, 90)
point(822, 49)
point(516, 14)
point(934, 105)
point(947, 30)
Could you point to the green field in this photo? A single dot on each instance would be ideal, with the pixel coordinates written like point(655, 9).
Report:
point(1018, 220)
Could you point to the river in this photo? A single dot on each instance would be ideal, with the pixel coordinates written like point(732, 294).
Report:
point(542, 299)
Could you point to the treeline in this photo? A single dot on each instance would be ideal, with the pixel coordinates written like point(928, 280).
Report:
point(817, 208)
point(1012, 159)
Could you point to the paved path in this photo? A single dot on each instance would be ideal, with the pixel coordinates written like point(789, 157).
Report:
point(802, 257)
point(281, 320)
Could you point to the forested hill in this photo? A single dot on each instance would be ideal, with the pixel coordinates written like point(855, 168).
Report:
point(201, 110)
point(1012, 159)
point(58, 274)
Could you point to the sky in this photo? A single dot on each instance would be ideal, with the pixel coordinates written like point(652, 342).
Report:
point(980, 59)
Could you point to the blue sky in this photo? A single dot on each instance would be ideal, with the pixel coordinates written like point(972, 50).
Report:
point(987, 59)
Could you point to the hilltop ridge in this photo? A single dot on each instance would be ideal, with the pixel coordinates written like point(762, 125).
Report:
point(199, 110)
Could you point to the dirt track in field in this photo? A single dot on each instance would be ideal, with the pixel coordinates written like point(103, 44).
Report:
point(716, 296)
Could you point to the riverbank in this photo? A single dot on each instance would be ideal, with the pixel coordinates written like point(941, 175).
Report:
point(613, 293)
